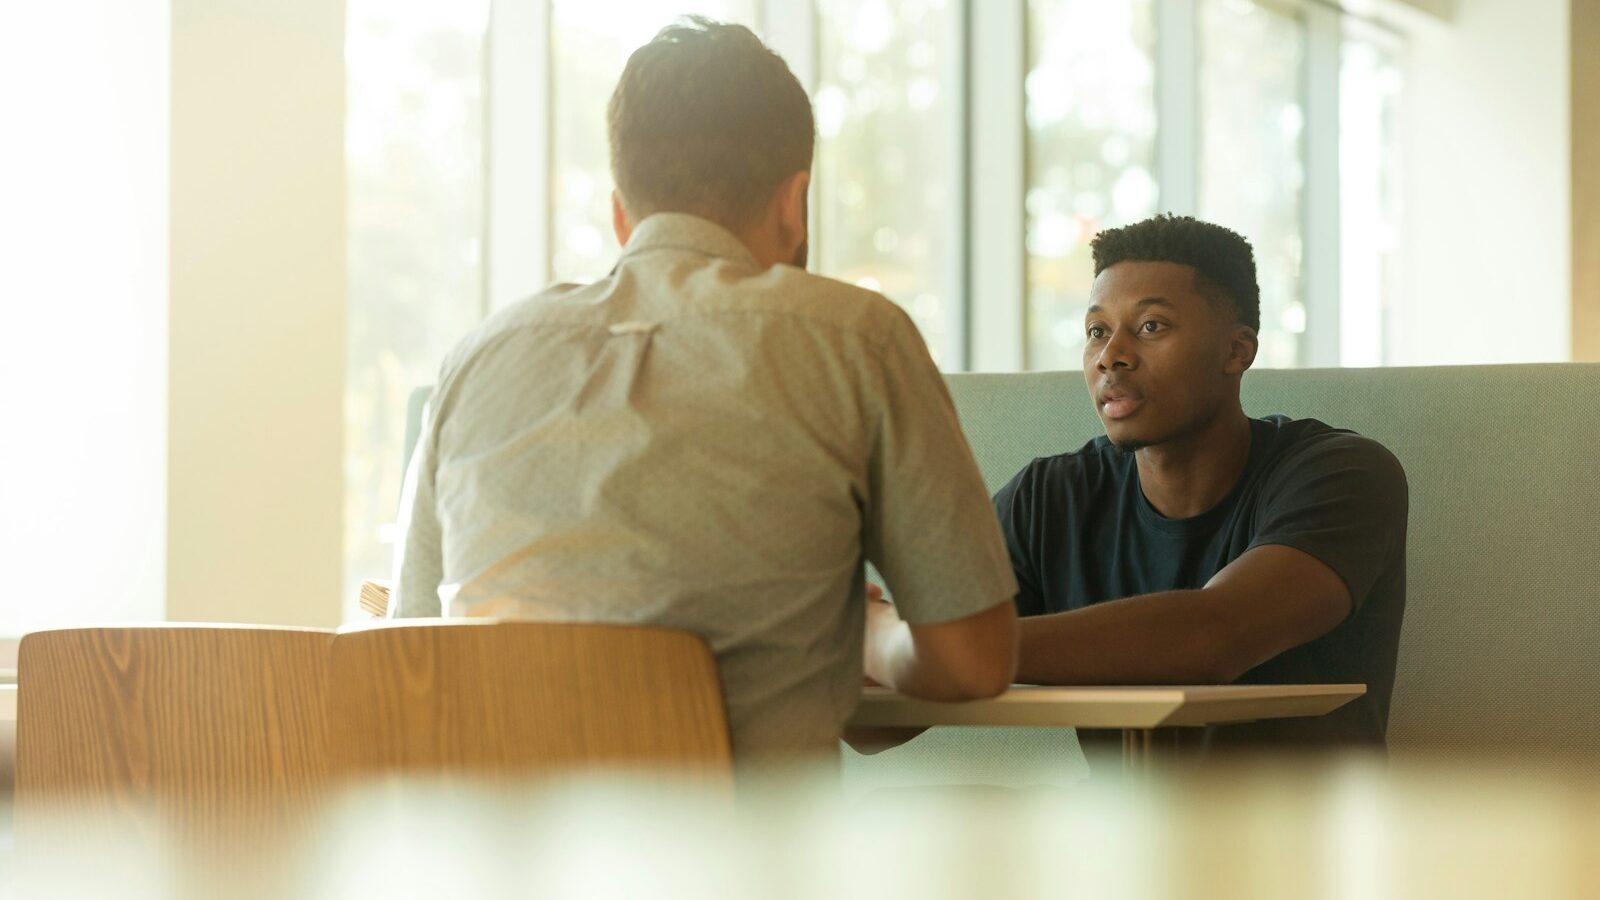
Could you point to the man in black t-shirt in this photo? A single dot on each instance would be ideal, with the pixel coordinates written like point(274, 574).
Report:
point(1192, 544)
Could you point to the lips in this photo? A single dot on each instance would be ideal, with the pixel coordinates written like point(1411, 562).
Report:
point(1119, 402)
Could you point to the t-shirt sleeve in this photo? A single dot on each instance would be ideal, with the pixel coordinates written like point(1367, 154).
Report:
point(1343, 500)
point(928, 526)
point(1014, 507)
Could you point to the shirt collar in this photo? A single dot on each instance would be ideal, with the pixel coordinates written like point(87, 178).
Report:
point(682, 231)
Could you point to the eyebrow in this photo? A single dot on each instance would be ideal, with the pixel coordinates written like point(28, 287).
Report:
point(1146, 302)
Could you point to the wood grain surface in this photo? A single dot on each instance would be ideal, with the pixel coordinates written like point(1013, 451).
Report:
point(494, 698)
point(200, 722)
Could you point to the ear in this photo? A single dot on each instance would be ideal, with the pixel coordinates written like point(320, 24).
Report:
point(791, 209)
point(620, 225)
point(1241, 350)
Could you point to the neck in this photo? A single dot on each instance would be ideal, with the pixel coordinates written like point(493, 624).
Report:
point(762, 245)
point(1191, 474)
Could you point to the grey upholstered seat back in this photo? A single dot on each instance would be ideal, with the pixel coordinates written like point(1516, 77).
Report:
point(1501, 644)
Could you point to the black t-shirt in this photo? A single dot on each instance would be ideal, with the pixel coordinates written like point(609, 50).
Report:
point(1080, 531)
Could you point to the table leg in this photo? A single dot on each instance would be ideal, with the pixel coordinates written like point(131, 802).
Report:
point(1137, 747)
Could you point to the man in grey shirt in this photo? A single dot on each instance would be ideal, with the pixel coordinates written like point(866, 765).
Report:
point(710, 438)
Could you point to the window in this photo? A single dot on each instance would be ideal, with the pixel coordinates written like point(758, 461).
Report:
point(889, 131)
point(414, 162)
point(1091, 115)
point(1213, 108)
point(590, 43)
point(1369, 95)
point(1252, 119)
point(967, 154)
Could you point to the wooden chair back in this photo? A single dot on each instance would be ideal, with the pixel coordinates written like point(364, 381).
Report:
point(201, 720)
point(499, 698)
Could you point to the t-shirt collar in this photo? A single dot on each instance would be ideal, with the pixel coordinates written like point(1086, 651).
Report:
point(1260, 436)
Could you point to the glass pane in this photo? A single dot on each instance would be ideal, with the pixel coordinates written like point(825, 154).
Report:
point(1251, 158)
point(1370, 83)
point(1091, 112)
point(414, 161)
point(888, 107)
point(591, 41)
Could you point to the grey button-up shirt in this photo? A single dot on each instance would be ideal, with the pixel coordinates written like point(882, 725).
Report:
point(698, 443)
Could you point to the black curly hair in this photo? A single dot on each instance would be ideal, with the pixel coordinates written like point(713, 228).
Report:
point(706, 119)
point(1222, 260)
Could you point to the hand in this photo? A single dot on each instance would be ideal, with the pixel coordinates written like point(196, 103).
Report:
point(881, 617)
point(867, 741)
point(880, 612)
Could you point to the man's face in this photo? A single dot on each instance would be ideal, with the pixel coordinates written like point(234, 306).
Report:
point(1161, 359)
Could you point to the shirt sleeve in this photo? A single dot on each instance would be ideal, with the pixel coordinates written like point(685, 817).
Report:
point(929, 528)
point(1343, 500)
point(1014, 507)
point(419, 553)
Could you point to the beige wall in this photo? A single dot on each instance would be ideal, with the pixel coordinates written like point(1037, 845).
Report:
point(257, 315)
point(1586, 180)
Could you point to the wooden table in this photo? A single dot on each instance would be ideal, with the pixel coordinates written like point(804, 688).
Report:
point(1138, 711)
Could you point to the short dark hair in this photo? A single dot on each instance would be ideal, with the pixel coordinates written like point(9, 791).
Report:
point(1221, 258)
point(707, 119)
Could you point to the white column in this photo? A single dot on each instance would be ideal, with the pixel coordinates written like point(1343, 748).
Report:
point(1178, 106)
point(517, 162)
point(1320, 272)
point(790, 28)
point(997, 280)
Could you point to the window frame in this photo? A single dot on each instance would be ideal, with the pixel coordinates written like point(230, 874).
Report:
point(989, 324)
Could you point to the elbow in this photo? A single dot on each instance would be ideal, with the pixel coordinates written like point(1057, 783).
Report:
point(970, 659)
point(994, 685)
point(1225, 664)
point(989, 676)
point(982, 683)
point(1222, 672)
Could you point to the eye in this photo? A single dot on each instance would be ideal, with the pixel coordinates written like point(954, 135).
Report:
point(1150, 326)
point(1096, 332)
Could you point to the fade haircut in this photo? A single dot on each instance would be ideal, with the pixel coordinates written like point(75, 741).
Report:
point(1224, 265)
point(706, 119)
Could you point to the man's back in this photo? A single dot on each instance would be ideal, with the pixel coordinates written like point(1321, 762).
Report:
point(693, 442)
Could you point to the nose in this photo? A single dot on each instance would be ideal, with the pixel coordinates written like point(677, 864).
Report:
point(1117, 353)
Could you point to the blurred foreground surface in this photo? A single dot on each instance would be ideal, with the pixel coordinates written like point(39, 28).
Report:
point(1343, 829)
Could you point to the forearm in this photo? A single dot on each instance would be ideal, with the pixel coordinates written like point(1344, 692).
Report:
point(963, 660)
point(1267, 601)
point(1175, 637)
point(891, 660)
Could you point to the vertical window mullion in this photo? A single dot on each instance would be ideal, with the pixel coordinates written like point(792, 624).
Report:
point(1321, 211)
point(1178, 105)
point(790, 28)
point(517, 147)
point(958, 274)
point(997, 166)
